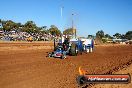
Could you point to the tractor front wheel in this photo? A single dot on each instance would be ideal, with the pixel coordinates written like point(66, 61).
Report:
point(63, 57)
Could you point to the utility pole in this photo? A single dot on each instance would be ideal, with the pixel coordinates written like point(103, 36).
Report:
point(74, 30)
point(72, 21)
point(61, 13)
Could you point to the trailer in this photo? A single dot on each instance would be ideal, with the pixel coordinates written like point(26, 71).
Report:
point(88, 45)
point(78, 46)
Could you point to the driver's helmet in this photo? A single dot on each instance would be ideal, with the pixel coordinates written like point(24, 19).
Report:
point(59, 48)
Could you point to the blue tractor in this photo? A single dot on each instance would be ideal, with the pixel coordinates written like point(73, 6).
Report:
point(71, 47)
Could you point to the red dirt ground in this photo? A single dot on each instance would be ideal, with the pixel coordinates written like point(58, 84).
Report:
point(30, 68)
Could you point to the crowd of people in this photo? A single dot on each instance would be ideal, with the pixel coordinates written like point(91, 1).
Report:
point(24, 36)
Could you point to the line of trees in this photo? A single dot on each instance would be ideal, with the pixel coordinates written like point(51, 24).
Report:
point(29, 27)
point(69, 31)
point(100, 35)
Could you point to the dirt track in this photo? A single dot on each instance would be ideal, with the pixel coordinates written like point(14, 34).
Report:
point(30, 68)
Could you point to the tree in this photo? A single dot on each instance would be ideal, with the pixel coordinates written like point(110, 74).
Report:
point(69, 31)
point(90, 36)
point(8, 25)
point(44, 30)
point(100, 34)
point(128, 35)
point(30, 27)
point(53, 30)
point(1, 25)
point(117, 35)
point(44, 27)
point(108, 36)
point(19, 25)
point(123, 36)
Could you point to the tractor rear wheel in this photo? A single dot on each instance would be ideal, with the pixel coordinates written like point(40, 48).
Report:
point(73, 50)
